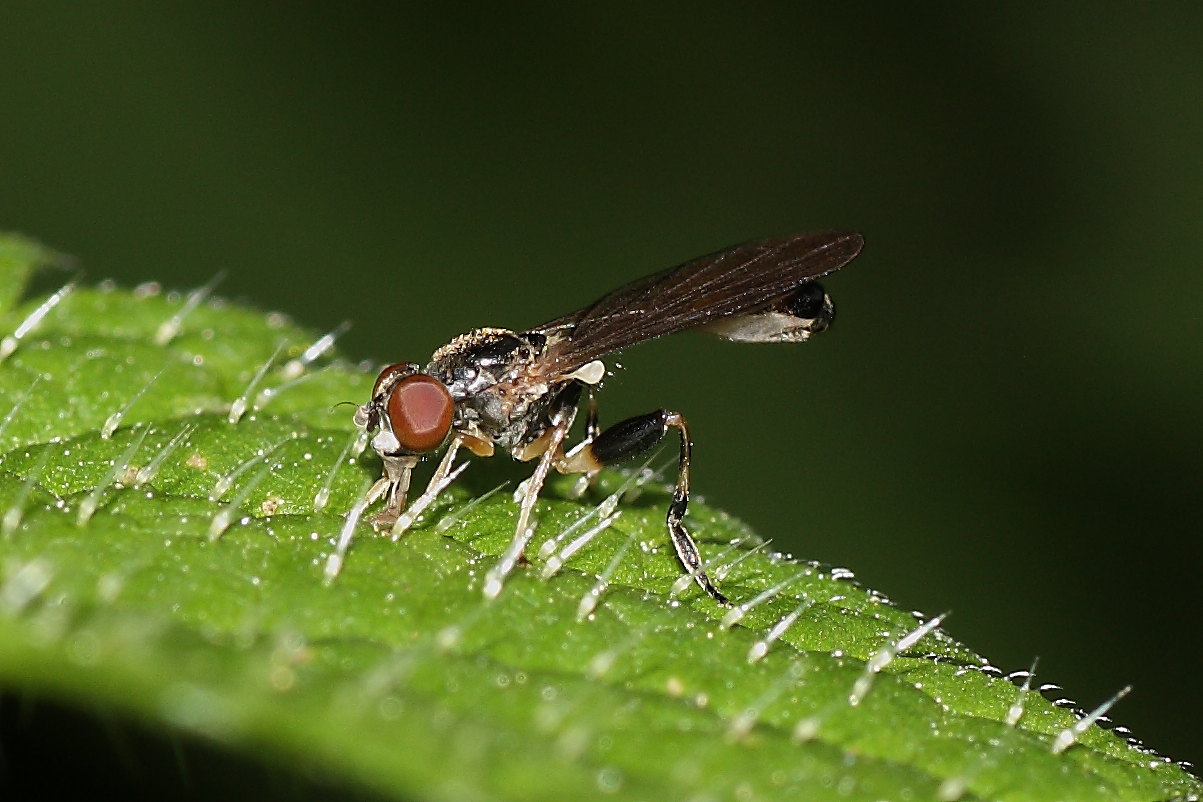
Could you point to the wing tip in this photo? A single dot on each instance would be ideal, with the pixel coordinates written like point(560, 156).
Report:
point(847, 242)
point(837, 248)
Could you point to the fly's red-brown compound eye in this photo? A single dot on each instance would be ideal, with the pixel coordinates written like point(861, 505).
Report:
point(419, 412)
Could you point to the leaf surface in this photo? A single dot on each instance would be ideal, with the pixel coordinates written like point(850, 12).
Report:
point(160, 561)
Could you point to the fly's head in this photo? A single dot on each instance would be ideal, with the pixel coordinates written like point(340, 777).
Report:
point(410, 413)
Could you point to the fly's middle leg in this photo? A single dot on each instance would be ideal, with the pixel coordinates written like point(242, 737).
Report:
point(636, 436)
point(547, 447)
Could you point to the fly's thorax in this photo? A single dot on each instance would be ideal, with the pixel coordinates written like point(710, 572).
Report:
point(487, 371)
point(484, 357)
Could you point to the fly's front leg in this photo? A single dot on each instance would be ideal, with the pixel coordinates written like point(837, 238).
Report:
point(394, 486)
point(443, 476)
point(631, 438)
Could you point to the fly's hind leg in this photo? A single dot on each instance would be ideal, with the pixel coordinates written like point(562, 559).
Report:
point(631, 438)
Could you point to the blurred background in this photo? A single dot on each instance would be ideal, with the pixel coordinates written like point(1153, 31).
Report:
point(1004, 421)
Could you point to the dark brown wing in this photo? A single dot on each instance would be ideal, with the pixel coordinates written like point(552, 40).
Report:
point(734, 281)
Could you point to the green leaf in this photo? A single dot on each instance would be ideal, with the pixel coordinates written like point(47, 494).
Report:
point(19, 258)
point(161, 562)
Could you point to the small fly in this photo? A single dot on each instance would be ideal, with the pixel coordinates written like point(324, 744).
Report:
point(521, 391)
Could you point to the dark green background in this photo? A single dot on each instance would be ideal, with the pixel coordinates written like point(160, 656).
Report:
point(1005, 421)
